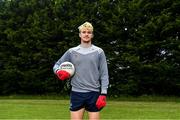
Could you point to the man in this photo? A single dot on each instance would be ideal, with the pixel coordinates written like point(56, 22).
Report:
point(90, 81)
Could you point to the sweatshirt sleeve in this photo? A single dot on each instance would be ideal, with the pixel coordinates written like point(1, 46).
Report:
point(64, 58)
point(104, 77)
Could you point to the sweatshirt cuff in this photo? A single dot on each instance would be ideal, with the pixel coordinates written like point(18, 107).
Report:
point(103, 91)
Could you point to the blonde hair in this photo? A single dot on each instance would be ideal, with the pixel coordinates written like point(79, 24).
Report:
point(86, 25)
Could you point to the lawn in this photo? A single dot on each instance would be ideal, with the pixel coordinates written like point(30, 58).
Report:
point(59, 109)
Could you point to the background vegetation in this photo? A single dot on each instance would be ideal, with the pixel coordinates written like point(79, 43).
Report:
point(140, 39)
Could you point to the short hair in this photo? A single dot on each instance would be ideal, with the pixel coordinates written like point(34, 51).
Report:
point(87, 25)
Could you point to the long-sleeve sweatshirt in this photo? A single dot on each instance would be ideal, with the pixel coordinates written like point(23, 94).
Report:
point(91, 71)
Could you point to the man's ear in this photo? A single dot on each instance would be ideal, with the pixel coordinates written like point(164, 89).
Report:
point(79, 34)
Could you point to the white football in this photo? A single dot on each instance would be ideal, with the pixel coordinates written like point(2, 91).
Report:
point(68, 67)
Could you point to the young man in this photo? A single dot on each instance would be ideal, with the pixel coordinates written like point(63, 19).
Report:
point(90, 81)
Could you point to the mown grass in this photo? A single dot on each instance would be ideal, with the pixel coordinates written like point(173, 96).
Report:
point(34, 109)
point(43, 107)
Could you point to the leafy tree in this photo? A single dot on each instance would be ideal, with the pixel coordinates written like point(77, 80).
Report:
point(140, 39)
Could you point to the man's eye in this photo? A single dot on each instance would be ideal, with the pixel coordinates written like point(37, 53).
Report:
point(87, 32)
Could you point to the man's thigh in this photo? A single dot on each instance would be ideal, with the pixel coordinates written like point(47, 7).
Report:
point(94, 115)
point(77, 115)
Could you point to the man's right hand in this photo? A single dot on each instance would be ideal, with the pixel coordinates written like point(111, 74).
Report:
point(62, 74)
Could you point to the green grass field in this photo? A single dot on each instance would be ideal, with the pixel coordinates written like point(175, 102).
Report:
point(59, 109)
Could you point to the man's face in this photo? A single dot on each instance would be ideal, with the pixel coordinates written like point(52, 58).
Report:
point(86, 35)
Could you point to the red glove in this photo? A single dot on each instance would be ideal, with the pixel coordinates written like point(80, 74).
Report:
point(101, 101)
point(62, 74)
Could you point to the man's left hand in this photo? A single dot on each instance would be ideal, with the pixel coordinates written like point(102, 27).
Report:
point(101, 101)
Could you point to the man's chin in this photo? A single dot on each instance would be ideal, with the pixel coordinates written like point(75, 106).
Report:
point(86, 41)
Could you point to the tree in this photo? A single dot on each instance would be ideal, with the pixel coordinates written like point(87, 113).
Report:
point(140, 39)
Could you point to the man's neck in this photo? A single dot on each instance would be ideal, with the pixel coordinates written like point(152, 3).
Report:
point(85, 44)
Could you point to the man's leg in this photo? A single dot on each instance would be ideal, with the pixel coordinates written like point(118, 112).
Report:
point(94, 115)
point(77, 115)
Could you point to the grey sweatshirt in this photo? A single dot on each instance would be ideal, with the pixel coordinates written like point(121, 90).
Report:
point(91, 72)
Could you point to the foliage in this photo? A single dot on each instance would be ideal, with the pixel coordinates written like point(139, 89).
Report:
point(140, 39)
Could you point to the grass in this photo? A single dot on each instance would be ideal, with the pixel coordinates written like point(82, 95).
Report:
point(142, 110)
point(44, 108)
point(34, 109)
